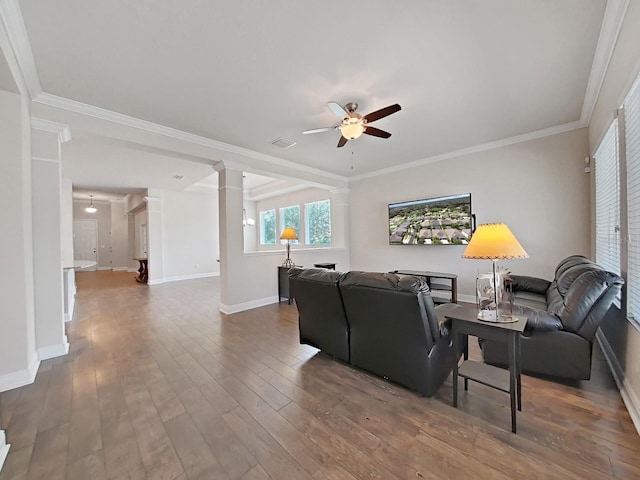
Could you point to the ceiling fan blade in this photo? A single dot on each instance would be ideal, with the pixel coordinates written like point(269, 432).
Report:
point(342, 142)
point(318, 130)
point(337, 109)
point(383, 112)
point(376, 132)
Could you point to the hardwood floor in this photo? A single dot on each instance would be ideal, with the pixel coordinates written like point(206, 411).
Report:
point(159, 385)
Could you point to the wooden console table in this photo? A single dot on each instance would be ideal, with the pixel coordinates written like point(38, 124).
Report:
point(143, 271)
point(283, 283)
point(450, 283)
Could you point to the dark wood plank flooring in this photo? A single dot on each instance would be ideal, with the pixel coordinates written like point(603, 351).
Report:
point(159, 385)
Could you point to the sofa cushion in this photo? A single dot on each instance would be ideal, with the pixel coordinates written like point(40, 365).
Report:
point(524, 283)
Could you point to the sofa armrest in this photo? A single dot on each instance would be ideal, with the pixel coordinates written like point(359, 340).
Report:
point(538, 320)
point(524, 283)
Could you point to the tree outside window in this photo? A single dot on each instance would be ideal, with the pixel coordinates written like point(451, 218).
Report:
point(268, 227)
point(318, 223)
point(290, 217)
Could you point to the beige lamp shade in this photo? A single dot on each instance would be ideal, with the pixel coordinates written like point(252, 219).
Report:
point(494, 241)
point(289, 234)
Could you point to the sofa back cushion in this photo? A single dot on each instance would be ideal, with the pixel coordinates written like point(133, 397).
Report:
point(322, 320)
point(393, 325)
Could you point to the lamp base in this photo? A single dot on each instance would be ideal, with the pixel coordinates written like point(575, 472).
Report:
point(495, 317)
point(288, 263)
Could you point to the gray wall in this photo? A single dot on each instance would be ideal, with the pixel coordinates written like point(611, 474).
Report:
point(538, 188)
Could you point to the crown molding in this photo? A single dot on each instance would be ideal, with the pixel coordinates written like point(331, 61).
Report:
point(16, 31)
point(63, 131)
point(545, 132)
point(147, 126)
point(614, 14)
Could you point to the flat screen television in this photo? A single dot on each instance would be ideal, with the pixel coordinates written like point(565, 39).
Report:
point(443, 220)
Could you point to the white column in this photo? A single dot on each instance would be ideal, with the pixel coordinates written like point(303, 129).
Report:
point(46, 182)
point(18, 360)
point(230, 196)
point(340, 218)
point(155, 253)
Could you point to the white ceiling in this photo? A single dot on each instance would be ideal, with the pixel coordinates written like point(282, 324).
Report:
point(246, 72)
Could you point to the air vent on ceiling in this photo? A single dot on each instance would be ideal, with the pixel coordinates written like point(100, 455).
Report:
point(283, 142)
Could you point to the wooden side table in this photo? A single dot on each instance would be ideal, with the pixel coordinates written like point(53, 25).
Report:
point(464, 322)
point(143, 271)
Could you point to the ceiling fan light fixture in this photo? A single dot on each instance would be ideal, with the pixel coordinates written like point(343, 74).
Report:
point(352, 128)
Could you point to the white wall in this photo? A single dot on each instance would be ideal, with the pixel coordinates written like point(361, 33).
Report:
point(119, 236)
point(250, 232)
point(190, 234)
point(538, 188)
point(140, 218)
point(103, 216)
point(621, 338)
point(18, 360)
point(51, 340)
point(66, 228)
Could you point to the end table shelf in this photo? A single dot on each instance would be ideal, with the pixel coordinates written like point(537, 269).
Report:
point(488, 375)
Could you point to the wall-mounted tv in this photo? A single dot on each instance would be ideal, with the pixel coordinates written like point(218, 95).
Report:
point(443, 220)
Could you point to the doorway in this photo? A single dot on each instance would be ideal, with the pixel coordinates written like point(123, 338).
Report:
point(85, 240)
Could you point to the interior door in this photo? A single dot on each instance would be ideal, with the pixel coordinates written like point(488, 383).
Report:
point(85, 240)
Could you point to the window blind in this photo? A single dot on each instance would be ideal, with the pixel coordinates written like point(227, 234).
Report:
point(607, 186)
point(632, 138)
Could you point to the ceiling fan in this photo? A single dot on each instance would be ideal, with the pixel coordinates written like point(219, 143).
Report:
point(353, 124)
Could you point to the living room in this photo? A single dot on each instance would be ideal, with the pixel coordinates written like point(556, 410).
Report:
point(536, 176)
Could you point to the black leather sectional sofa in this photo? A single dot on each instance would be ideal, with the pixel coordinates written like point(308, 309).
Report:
point(380, 322)
point(563, 316)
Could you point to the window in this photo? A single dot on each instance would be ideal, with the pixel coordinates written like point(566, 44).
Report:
point(318, 223)
point(632, 140)
point(290, 217)
point(607, 182)
point(268, 227)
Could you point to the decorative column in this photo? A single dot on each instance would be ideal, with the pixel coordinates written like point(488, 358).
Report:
point(154, 237)
point(230, 197)
point(46, 194)
point(340, 218)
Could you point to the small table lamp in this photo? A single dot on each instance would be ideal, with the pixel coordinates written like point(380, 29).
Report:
point(288, 234)
point(494, 241)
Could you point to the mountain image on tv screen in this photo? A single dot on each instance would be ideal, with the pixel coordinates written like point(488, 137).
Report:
point(434, 221)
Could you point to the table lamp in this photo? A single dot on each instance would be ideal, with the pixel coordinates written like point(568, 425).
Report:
point(288, 234)
point(494, 241)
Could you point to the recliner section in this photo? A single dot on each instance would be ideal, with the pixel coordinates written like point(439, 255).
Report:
point(380, 322)
point(562, 318)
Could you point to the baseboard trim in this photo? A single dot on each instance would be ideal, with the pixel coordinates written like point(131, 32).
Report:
point(179, 278)
point(467, 298)
point(4, 448)
point(12, 380)
point(53, 351)
point(132, 270)
point(120, 269)
point(241, 307)
point(103, 268)
point(629, 397)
